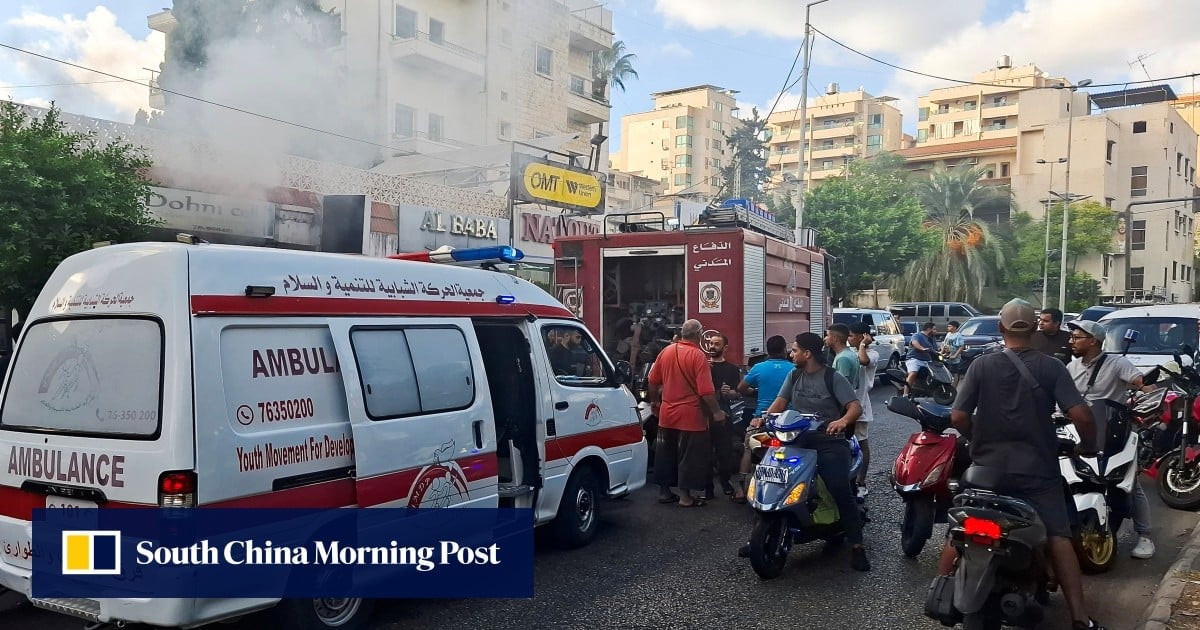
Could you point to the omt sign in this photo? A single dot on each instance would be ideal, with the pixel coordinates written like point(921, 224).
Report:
point(537, 180)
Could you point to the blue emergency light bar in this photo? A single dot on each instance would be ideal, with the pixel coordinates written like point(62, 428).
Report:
point(498, 253)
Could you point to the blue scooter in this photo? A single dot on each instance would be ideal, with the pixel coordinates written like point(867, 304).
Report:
point(789, 499)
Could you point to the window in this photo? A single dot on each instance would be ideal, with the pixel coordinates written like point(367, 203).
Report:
point(1108, 153)
point(406, 23)
point(1137, 237)
point(1004, 169)
point(719, 107)
point(393, 385)
point(717, 126)
point(717, 181)
point(92, 376)
point(874, 142)
point(1108, 202)
point(875, 121)
point(505, 130)
point(716, 144)
point(923, 114)
point(683, 179)
point(574, 359)
point(683, 141)
point(849, 142)
point(716, 163)
point(923, 310)
point(969, 106)
point(683, 161)
point(577, 84)
point(922, 135)
point(1139, 126)
point(827, 144)
point(406, 121)
point(999, 123)
point(666, 164)
point(1137, 181)
point(505, 37)
point(683, 122)
point(944, 108)
point(1137, 277)
point(437, 31)
point(544, 64)
point(826, 164)
point(437, 127)
point(1174, 270)
point(1179, 163)
point(960, 311)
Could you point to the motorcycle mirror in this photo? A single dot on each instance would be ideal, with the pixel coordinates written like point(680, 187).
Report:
point(624, 373)
point(1151, 377)
point(902, 406)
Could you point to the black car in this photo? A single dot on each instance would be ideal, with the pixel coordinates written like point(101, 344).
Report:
point(977, 333)
point(1094, 313)
point(908, 329)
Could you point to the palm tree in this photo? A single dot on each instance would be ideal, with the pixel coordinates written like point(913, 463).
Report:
point(966, 257)
point(611, 66)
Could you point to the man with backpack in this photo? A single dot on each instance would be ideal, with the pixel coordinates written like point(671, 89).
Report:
point(813, 388)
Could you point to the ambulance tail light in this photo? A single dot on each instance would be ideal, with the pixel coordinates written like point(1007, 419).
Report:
point(481, 255)
point(177, 489)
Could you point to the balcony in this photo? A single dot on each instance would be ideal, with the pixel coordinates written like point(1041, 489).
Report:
point(157, 100)
point(838, 131)
point(829, 152)
point(589, 30)
point(585, 109)
point(418, 142)
point(438, 56)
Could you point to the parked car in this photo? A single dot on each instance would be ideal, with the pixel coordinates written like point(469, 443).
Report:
point(1163, 331)
point(940, 313)
point(1067, 317)
point(889, 342)
point(978, 333)
point(908, 329)
point(1094, 313)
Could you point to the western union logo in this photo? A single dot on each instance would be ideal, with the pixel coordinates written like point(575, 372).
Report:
point(91, 553)
point(550, 183)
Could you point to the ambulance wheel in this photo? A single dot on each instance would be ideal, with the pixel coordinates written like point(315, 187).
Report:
point(578, 514)
point(345, 613)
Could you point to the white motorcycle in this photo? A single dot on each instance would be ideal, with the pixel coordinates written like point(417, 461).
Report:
point(1102, 487)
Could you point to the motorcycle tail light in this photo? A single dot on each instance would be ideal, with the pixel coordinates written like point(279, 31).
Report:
point(981, 530)
point(774, 443)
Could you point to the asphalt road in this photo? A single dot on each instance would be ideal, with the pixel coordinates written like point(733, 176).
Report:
point(657, 566)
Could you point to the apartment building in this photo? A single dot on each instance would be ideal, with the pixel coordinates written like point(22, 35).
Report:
point(841, 127)
point(454, 75)
point(682, 141)
point(977, 123)
point(1118, 156)
point(1188, 106)
point(627, 192)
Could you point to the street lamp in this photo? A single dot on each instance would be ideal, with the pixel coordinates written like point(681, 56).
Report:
point(1062, 274)
point(801, 165)
point(1046, 220)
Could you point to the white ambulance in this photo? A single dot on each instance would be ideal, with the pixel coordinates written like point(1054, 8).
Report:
point(173, 374)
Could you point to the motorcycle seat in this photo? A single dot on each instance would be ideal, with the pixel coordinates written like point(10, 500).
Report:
point(935, 415)
point(982, 477)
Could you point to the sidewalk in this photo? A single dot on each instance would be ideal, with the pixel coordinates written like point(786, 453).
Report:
point(1176, 603)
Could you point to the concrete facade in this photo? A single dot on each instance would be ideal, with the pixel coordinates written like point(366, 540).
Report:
point(682, 141)
point(630, 193)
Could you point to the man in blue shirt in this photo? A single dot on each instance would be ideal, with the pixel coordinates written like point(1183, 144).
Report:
point(920, 352)
point(764, 381)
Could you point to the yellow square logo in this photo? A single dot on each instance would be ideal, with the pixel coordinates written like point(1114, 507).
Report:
point(91, 553)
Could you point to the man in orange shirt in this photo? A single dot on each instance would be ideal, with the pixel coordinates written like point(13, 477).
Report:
point(684, 399)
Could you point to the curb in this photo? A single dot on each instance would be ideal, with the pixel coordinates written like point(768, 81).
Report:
point(1158, 612)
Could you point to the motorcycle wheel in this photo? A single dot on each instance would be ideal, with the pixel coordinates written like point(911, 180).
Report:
point(1178, 485)
point(944, 394)
point(981, 620)
point(768, 548)
point(1095, 546)
point(917, 527)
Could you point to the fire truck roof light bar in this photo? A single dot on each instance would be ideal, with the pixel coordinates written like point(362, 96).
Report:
point(499, 253)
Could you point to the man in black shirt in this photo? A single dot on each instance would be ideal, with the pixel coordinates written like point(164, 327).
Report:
point(1051, 338)
point(726, 377)
point(1012, 431)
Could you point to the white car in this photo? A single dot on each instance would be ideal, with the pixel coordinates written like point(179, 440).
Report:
point(1162, 332)
point(889, 340)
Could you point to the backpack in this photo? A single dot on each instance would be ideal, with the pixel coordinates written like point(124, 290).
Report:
point(829, 371)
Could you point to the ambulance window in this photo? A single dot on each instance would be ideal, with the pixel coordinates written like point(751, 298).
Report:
point(574, 359)
point(88, 376)
point(413, 370)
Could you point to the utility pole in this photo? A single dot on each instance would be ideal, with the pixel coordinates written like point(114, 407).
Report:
point(802, 163)
point(1062, 274)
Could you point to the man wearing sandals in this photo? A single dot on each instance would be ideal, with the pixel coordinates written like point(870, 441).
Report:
point(683, 397)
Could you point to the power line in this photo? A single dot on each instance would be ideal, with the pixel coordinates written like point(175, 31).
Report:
point(965, 82)
point(41, 85)
point(229, 107)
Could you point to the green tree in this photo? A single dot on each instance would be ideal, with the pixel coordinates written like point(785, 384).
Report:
point(60, 192)
point(1090, 231)
point(966, 256)
point(612, 66)
point(869, 218)
point(780, 204)
point(746, 174)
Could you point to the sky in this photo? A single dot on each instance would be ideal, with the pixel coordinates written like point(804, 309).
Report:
point(748, 46)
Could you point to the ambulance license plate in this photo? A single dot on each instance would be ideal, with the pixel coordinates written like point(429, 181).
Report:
point(773, 474)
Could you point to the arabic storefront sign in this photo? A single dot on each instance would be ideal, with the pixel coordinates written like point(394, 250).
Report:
point(537, 180)
point(192, 211)
point(422, 228)
point(544, 228)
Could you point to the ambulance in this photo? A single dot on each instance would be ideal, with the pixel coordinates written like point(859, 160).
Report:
point(198, 375)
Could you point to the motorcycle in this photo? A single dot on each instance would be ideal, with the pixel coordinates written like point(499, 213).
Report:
point(922, 472)
point(790, 501)
point(1167, 424)
point(1102, 487)
point(1002, 574)
point(933, 381)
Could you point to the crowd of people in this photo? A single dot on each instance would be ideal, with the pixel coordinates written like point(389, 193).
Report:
point(1004, 408)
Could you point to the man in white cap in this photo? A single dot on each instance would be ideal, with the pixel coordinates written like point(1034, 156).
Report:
point(1100, 376)
point(1004, 407)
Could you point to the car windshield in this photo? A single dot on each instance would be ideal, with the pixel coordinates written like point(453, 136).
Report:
point(981, 327)
point(909, 328)
point(1155, 335)
point(849, 318)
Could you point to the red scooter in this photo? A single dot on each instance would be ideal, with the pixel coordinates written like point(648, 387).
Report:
point(923, 470)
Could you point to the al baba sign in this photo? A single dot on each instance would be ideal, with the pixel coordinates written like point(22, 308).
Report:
point(538, 180)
